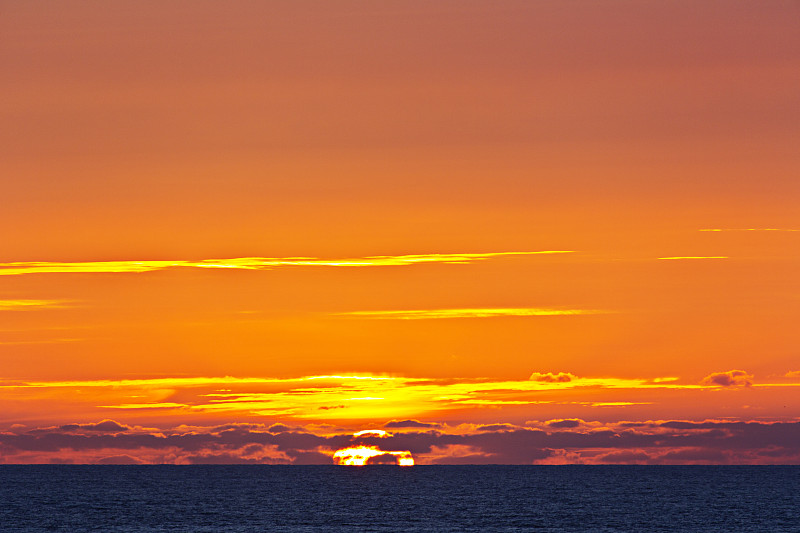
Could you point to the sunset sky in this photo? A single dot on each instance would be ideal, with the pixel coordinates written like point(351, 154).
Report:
point(535, 231)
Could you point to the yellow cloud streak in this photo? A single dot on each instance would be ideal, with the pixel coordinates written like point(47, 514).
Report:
point(405, 397)
point(252, 263)
point(16, 305)
point(428, 314)
point(336, 397)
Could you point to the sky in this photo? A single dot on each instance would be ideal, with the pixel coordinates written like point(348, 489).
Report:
point(528, 232)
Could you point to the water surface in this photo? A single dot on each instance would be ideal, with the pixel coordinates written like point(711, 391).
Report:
point(392, 499)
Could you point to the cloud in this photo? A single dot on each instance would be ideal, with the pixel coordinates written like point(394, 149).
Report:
point(252, 263)
point(679, 456)
point(105, 425)
point(455, 454)
point(642, 442)
point(792, 374)
point(549, 377)
point(309, 458)
point(26, 305)
point(429, 314)
point(496, 427)
point(565, 423)
point(248, 454)
point(625, 457)
point(410, 424)
point(225, 459)
point(332, 397)
point(694, 455)
point(731, 378)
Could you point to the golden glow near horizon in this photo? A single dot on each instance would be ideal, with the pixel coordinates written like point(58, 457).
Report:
point(252, 263)
point(428, 314)
point(354, 397)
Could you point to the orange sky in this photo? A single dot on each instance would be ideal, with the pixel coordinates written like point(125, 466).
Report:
point(462, 213)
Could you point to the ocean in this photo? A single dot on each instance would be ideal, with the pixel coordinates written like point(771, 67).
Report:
point(384, 498)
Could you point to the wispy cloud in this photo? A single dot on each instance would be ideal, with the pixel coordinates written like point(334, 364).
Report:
point(322, 398)
point(696, 257)
point(21, 305)
point(429, 314)
point(253, 263)
point(354, 397)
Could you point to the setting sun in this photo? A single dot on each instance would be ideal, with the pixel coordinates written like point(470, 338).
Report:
point(364, 455)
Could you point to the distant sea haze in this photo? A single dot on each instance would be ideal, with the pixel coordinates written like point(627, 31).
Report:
point(384, 498)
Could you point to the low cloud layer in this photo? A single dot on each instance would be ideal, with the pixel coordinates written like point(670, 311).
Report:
point(546, 442)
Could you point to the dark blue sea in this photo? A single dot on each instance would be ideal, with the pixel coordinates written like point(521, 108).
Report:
point(390, 498)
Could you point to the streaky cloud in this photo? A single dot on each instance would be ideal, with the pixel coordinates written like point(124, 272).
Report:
point(327, 397)
point(252, 263)
point(23, 305)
